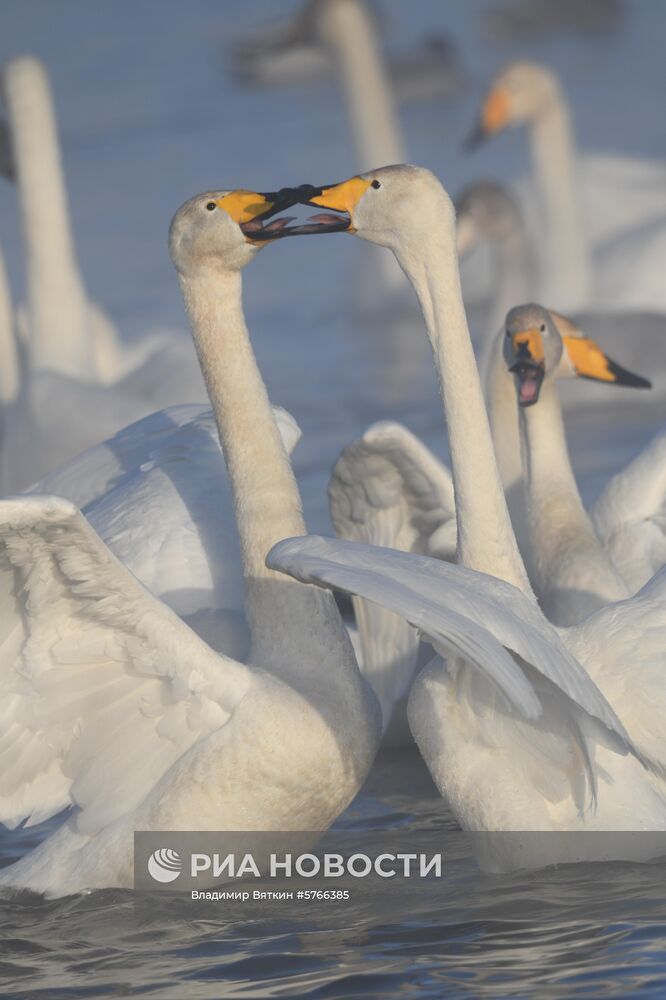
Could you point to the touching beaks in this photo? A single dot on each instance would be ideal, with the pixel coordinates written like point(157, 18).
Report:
point(253, 210)
point(589, 361)
point(258, 213)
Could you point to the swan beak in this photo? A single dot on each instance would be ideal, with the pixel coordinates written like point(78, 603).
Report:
point(340, 200)
point(529, 366)
point(587, 360)
point(252, 210)
point(494, 117)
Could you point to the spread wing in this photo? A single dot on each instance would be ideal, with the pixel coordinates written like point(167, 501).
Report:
point(486, 621)
point(103, 686)
point(630, 515)
point(388, 489)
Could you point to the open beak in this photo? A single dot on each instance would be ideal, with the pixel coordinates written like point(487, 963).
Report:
point(339, 200)
point(493, 118)
point(589, 361)
point(259, 213)
point(528, 367)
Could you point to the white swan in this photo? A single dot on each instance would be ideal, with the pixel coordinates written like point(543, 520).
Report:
point(509, 725)
point(111, 703)
point(75, 360)
point(613, 208)
point(573, 572)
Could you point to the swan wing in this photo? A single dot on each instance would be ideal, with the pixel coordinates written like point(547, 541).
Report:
point(103, 686)
point(159, 437)
point(623, 646)
point(630, 515)
point(487, 621)
point(388, 489)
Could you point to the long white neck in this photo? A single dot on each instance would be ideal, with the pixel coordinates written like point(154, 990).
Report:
point(10, 378)
point(514, 274)
point(349, 30)
point(57, 305)
point(292, 626)
point(502, 408)
point(567, 555)
point(486, 541)
point(552, 144)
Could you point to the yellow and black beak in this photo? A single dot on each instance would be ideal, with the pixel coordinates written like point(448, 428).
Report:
point(252, 210)
point(257, 212)
point(529, 365)
point(493, 118)
point(589, 361)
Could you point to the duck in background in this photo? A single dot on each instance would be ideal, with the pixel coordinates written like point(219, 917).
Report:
point(294, 52)
point(79, 381)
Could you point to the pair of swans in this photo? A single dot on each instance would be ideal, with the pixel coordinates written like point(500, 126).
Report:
point(61, 354)
point(604, 216)
point(112, 703)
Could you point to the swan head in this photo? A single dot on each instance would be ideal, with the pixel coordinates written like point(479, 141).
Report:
point(541, 344)
point(485, 212)
point(225, 229)
point(391, 206)
point(520, 93)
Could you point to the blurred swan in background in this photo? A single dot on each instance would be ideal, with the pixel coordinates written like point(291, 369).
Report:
point(509, 724)
point(294, 52)
point(10, 370)
point(75, 361)
point(487, 213)
point(604, 216)
point(172, 734)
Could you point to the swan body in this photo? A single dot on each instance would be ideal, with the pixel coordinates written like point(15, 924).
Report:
point(545, 747)
point(605, 216)
point(75, 359)
point(113, 705)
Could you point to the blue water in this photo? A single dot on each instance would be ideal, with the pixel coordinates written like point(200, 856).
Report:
point(150, 115)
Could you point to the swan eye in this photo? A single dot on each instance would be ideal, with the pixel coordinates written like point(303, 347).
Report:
point(211, 206)
point(375, 184)
point(542, 328)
